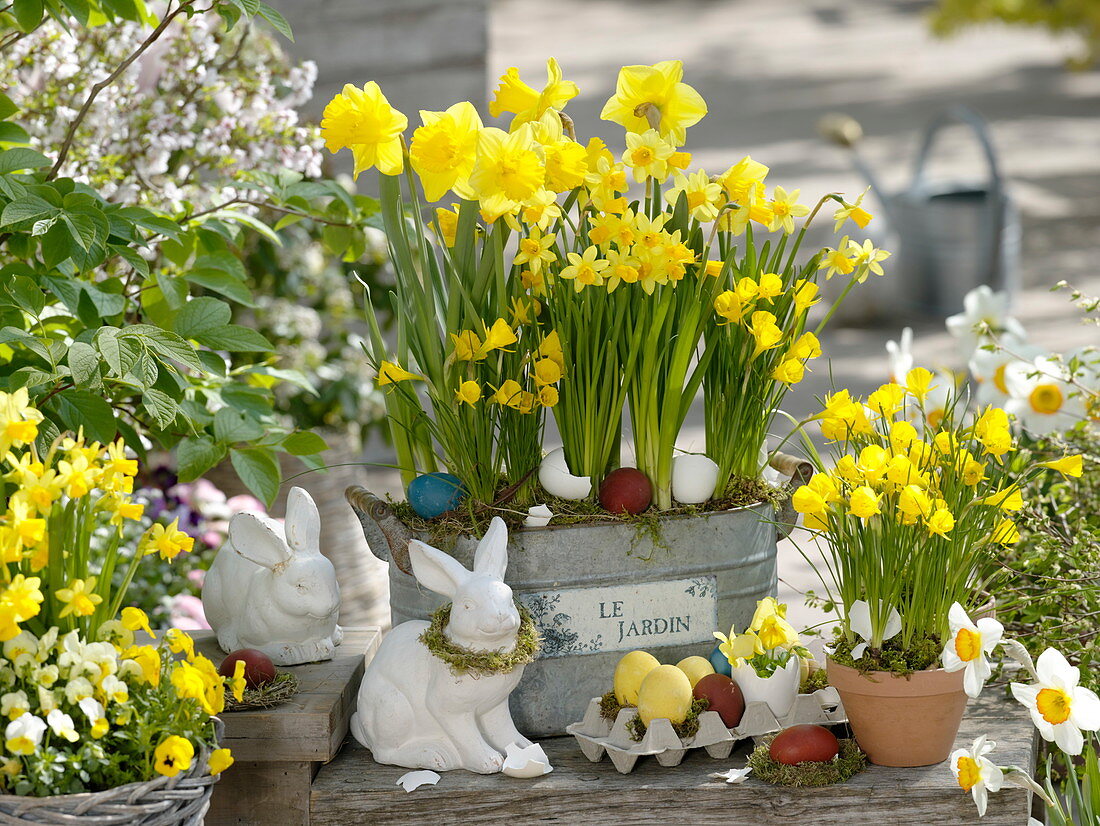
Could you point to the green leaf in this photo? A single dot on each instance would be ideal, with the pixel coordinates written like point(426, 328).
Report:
point(26, 294)
point(196, 455)
point(202, 315)
point(27, 208)
point(255, 400)
point(223, 283)
point(20, 158)
point(235, 339)
point(28, 13)
point(12, 133)
point(79, 408)
point(258, 470)
point(304, 443)
point(232, 426)
point(7, 107)
point(276, 20)
point(84, 363)
point(164, 343)
point(160, 405)
point(48, 433)
point(214, 363)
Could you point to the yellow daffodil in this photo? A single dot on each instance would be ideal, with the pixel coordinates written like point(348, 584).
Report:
point(647, 154)
point(169, 541)
point(546, 372)
point(79, 598)
point(173, 755)
point(1010, 499)
point(622, 268)
point(550, 347)
point(447, 223)
point(237, 682)
point(548, 396)
point(992, 430)
point(918, 383)
point(785, 208)
point(220, 760)
point(887, 399)
point(566, 163)
point(765, 331)
point(655, 96)
point(467, 346)
point(729, 306)
point(765, 608)
point(469, 392)
point(808, 500)
point(1067, 465)
point(536, 251)
point(585, 270)
point(940, 522)
point(516, 97)
point(806, 347)
point(77, 475)
point(865, 255)
point(18, 420)
point(444, 149)
point(863, 502)
point(497, 337)
point(776, 632)
point(508, 170)
point(789, 371)
point(363, 121)
point(703, 196)
point(1006, 533)
point(854, 211)
point(23, 597)
point(508, 394)
point(744, 181)
point(805, 295)
point(837, 261)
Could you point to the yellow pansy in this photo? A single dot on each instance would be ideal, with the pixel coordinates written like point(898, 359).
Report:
point(655, 96)
point(147, 660)
point(173, 755)
point(237, 682)
point(776, 632)
point(363, 121)
point(444, 149)
point(220, 760)
point(516, 97)
point(134, 619)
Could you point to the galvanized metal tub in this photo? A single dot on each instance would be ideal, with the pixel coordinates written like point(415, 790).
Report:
point(597, 591)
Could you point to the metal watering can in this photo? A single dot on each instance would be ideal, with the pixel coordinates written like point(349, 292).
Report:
point(948, 237)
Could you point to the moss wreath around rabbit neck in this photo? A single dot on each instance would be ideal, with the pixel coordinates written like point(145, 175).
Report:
point(481, 663)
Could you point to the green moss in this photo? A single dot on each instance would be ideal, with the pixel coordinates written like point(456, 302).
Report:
point(815, 681)
point(924, 653)
point(685, 730)
point(609, 706)
point(850, 762)
point(466, 661)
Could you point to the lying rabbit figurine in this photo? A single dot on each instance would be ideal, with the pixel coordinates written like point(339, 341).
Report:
point(270, 588)
point(413, 711)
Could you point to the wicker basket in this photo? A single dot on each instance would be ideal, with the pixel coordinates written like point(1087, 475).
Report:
point(164, 801)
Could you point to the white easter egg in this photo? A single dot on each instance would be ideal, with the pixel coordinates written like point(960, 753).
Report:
point(693, 478)
point(556, 479)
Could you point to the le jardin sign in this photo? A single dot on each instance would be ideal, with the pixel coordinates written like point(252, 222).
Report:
point(623, 617)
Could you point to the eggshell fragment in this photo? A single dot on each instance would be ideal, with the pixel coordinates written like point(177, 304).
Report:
point(693, 479)
point(555, 478)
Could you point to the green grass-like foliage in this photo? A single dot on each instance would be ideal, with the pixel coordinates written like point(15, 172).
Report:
point(815, 681)
point(466, 661)
point(850, 762)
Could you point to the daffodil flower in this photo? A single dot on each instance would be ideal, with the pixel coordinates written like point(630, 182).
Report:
point(363, 121)
point(390, 373)
point(739, 647)
point(859, 621)
point(655, 96)
point(1060, 708)
point(969, 647)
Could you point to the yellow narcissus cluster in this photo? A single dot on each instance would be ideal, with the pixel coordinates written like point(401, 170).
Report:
point(927, 478)
point(769, 638)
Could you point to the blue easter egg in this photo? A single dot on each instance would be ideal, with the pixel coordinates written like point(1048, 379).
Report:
point(434, 493)
point(720, 663)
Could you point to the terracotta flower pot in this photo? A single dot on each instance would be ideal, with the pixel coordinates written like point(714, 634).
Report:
point(901, 721)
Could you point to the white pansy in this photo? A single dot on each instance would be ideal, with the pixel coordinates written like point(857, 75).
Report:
point(77, 689)
point(859, 620)
point(21, 644)
point(984, 318)
point(62, 725)
point(115, 689)
point(1060, 708)
point(900, 356)
point(1042, 397)
point(977, 774)
point(96, 715)
point(24, 734)
point(47, 699)
point(14, 704)
point(969, 647)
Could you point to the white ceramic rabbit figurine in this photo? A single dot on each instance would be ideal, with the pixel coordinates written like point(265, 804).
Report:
point(413, 710)
point(270, 588)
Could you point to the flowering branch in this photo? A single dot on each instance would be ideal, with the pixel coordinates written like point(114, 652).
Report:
point(107, 81)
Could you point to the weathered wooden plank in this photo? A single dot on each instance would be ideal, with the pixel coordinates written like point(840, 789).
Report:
point(353, 788)
point(311, 725)
point(260, 793)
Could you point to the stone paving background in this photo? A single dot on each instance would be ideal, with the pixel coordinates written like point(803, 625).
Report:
point(769, 69)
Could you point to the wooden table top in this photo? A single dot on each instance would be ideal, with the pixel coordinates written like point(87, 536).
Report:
point(312, 724)
point(355, 789)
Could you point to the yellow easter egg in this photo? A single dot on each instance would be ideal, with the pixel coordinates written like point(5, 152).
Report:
point(629, 673)
point(696, 668)
point(664, 693)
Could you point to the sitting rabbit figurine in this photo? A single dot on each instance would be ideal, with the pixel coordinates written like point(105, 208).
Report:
point(413, 711)
point(270, 588)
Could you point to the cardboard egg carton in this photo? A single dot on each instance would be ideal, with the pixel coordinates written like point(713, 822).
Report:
point(598, 736)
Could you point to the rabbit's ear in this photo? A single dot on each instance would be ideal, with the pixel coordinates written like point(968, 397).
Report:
point(303, 522)
point(436, 570)
point(491, 556)
point(257, 541)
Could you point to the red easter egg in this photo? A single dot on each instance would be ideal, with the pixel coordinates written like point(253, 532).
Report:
point(626, 490)
point(258, 667)
point(804, 744)
point(724, 696)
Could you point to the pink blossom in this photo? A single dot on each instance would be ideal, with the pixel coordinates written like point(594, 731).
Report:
point(245, 503)
point(188, 609)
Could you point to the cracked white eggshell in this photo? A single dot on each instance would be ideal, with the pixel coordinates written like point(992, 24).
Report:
point(526, 763)
point(556, 479)
point(693, 478)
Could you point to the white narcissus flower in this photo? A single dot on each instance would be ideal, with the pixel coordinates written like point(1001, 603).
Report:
point(1042, 397)
point(969, 647)
point(859, 620)
point(984, 312)
point(977, 774)
point(1060, 708)
point(988, 366)
point(900, 355)
point(23, 734)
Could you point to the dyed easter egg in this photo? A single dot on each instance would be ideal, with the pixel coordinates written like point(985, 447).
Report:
point(626, 490)
point(434, 493)
point(720, 663)
point(629, 673)
point(258, 668)
point(724, 696)
point(665, 693)
point(804, 744)
point(696, 668)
